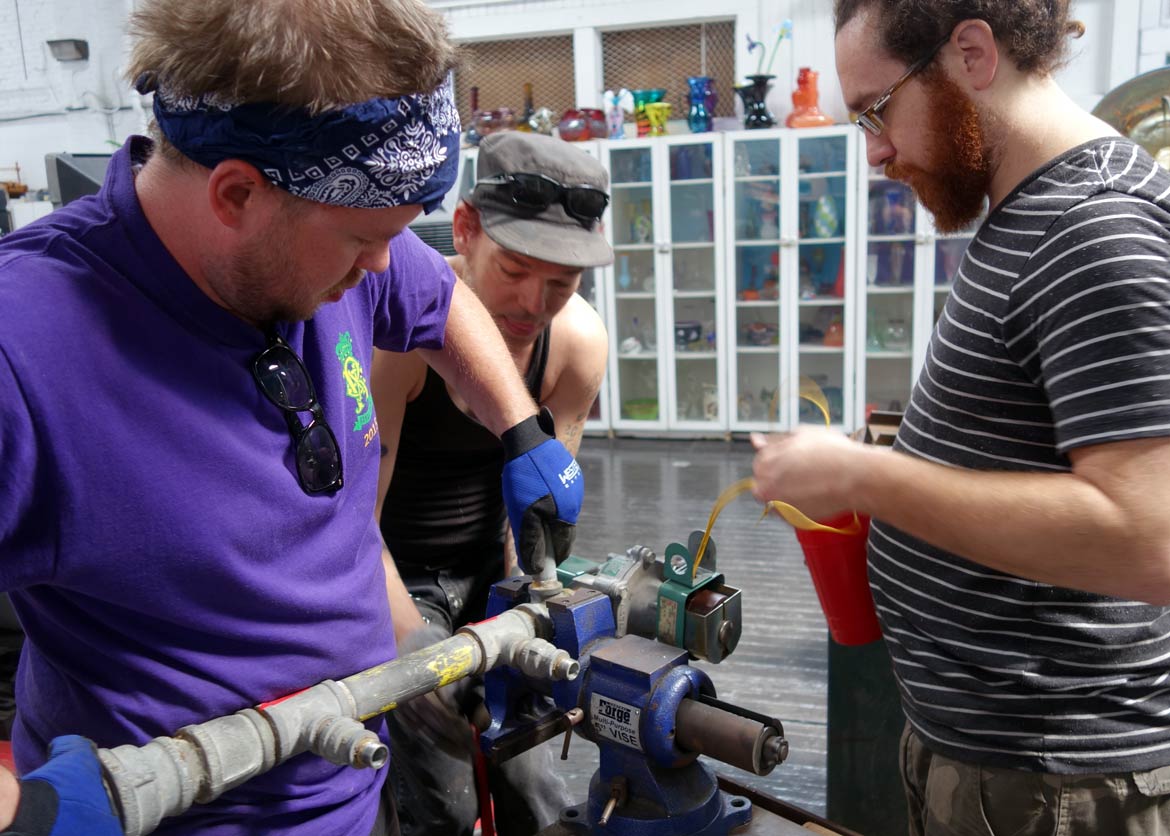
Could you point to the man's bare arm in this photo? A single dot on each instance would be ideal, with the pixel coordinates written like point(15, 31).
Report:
point(395, 379)
point(1102, 528)
point(584, 349)
point(477, 364)
point(581, 347)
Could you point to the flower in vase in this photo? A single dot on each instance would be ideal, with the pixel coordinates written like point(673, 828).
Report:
point(755, 46)
point(783, 30)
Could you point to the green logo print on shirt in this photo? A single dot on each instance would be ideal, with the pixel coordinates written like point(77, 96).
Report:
point(355, 382)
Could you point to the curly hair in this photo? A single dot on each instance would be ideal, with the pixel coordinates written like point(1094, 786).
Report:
point(312, 54)
point(1034, 32)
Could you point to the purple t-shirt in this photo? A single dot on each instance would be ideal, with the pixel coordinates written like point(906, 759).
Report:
point(159, 550)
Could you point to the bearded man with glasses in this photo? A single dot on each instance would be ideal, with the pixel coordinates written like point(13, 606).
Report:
point(523, 235)
point(1019, 555)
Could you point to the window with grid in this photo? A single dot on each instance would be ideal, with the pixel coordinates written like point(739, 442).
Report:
point(664, 57)
point(500, 69)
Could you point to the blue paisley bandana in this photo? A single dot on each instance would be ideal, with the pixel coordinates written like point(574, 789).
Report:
point(379, 153)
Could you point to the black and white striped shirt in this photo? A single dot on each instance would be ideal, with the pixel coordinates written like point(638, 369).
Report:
point(1055, 336)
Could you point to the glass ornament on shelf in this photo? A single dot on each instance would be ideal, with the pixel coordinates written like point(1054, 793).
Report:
point(525, 121)
point(894, 335)
point(754, 96)
point(617, 105)
point(699, 115)
point(806, 109)
point(643, 97)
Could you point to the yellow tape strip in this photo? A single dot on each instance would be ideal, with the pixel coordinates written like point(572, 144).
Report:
point(812, 393)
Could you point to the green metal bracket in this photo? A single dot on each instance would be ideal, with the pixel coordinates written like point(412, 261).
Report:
point(680, 581)
point(572, 566)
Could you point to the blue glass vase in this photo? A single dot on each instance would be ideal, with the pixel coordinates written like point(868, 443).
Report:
point(701, 98)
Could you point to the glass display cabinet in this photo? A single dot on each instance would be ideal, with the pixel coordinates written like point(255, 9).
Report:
point(909, 268)
point(894, 236)
point(791, 273)
point(665, 284)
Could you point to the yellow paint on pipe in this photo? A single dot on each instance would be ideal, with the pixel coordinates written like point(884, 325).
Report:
point(453, 666)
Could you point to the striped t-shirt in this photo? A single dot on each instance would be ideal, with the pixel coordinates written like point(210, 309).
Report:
point(1056, 335)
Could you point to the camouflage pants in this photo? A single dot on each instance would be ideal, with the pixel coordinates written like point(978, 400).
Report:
point(951, 798)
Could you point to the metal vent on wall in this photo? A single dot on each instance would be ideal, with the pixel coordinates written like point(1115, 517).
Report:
point(435, 233)
point(664, 57)
point(500, 69)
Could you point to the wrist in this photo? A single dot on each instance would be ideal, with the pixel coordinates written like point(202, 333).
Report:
point(409, 621)
point(9, 798)
point(38, 804)
point(528, 434)
point(862, 477)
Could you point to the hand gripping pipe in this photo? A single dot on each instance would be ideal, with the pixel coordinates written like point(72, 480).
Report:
point(201, 762)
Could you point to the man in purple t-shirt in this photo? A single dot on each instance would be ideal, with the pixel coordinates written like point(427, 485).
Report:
point(189, 448)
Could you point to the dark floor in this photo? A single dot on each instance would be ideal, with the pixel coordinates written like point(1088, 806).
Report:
point(652, 492)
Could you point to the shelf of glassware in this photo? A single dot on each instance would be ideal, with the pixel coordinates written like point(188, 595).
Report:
point(469, 159)
point(893, 261)
point(790, 225)
point(908, 269)
point(593, 289)
point(666, 372)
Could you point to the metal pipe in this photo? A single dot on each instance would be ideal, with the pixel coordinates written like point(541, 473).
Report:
point(739, 741)
point(167, 775)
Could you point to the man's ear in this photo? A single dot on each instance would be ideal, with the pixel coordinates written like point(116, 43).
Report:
point(238, 194)
point(978, 52)
point(465, 227)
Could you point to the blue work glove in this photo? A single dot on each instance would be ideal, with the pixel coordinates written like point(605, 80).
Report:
point(543, 489)
point(66, 796)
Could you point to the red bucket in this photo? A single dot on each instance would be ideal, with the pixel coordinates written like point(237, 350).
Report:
point(837, 565)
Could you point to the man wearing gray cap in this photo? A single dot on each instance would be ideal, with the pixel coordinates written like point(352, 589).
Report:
point(523, 236)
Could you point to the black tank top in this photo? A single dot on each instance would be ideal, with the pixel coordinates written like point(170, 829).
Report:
point(444, 505)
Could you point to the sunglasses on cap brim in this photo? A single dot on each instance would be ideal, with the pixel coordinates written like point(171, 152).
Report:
point(535, 193)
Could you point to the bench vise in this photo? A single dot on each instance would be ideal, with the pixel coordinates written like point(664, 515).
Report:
point(633, 622)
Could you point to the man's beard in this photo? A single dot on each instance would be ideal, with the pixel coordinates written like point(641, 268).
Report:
point(959, 175)
point(257, 285)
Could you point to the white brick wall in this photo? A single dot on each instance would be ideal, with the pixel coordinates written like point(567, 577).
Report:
point(1155, 42)
point(33, 83)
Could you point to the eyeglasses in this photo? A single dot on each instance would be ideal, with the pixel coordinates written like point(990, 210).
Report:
point(870, 119)
point(285, 381)
point(536, 192)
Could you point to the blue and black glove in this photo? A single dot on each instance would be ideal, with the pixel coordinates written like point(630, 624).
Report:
point(543, 489)
point(66, 796)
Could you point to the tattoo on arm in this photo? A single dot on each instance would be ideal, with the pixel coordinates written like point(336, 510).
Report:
point(572, 438)
point(573, 432)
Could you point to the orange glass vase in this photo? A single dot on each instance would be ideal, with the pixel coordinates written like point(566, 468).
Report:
point(806, 110)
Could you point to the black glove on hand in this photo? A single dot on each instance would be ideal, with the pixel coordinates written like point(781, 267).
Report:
point(543, 489)
point(437, 717)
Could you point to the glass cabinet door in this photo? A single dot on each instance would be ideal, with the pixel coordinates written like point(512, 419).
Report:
point(754, 231)
point(467, 176)
point(948, 253)
point(823, 316)
point(693, 288)
point(591, 290)
point(636, 387)
point(891, 254)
